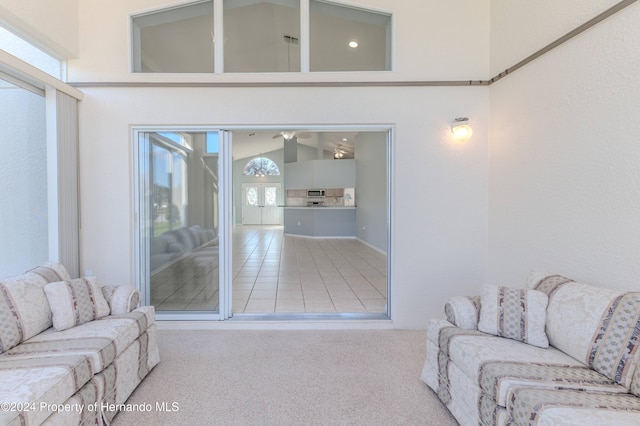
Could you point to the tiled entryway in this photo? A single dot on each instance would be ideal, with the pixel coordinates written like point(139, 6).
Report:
point(274, 273)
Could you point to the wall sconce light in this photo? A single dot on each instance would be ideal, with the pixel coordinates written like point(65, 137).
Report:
point(461, 129)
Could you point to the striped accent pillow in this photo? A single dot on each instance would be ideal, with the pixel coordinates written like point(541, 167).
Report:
point(11, 330)
point(614, 346)
point(514, 313)
point(75, 302)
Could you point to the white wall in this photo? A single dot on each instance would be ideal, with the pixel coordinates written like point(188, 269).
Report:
point(439, 194)
point(519, 28)
point(371, 188)
point(564, 182)
point(52, 24)
point(433, 40)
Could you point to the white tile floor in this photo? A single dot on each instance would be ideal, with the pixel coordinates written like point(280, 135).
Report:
point(277, 274)
point(274, 273)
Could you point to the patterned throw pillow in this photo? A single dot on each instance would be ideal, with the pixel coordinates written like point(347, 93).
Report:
point(75, 302)
point(514, 313)
point(11, 333)
point(614, 346)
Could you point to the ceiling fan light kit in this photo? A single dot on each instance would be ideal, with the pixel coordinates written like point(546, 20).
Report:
point(290, 134)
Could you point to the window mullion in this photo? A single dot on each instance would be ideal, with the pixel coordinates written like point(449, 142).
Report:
point(218, 35)
point(304, 36)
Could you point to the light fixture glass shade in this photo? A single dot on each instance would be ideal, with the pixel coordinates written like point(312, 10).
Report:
point(461, 129)
point(288, 134)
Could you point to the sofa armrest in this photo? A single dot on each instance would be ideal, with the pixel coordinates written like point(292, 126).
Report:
point(121, 298)
point(463, 311)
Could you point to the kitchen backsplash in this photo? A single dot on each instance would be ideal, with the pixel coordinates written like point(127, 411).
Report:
point(332, 197)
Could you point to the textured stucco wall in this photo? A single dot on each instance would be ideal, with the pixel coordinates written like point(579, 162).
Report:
point(564, 181)
point(519, 28)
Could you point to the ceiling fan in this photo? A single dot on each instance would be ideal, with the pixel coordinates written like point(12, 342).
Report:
point(289, 134)
point(338, 152)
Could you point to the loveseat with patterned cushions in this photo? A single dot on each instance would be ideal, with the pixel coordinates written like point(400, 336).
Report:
point(71, 352)
point(557, 352)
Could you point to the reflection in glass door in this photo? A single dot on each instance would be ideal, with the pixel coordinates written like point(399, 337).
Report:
point(179, 221)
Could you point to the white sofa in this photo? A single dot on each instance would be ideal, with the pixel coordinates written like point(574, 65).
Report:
point(184, 258)
point(180, 244)
point(588, 373)
point(71, 352)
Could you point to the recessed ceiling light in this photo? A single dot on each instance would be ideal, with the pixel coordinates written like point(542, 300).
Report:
point(353, 44)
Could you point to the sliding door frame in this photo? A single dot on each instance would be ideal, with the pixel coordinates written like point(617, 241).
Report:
point(389, 129)
point(140, 155)
point(225, 194)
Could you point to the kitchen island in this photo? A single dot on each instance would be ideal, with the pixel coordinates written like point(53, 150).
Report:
point(325, 221)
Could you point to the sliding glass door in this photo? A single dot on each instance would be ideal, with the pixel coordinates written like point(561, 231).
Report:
point(178, 236)
point(331, 261)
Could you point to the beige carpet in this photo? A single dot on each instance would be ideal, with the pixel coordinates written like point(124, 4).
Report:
point(288, 377)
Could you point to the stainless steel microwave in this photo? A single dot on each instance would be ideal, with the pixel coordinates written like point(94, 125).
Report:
point(315, 193)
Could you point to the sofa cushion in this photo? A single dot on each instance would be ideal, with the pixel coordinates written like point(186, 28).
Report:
point(517, 314)
point(575, 407)
point(10, 329)
point(186, 238)
point(43, 380)
point(471, 349)
point(24, 309)
point(498, 379)
point(598, 326)
point(75, 302)
point(51, 272)
point(99, 341)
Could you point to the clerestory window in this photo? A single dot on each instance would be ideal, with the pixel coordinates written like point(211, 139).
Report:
point(261, 36)
point(33, 55)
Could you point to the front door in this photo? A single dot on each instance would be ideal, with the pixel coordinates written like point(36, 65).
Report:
point(260, 204)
